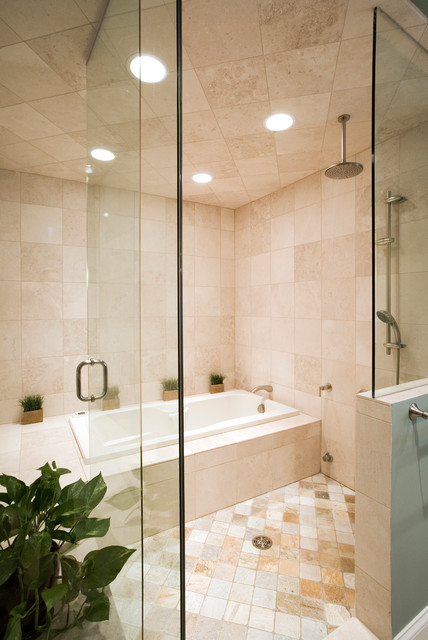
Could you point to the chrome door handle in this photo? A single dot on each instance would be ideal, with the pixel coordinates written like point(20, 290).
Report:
point(415, 412)
point(90, 363)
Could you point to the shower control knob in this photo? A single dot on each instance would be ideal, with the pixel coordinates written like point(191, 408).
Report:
point(415, 412)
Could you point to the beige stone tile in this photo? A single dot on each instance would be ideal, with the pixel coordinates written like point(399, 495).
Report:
point(10, 301)
point(75, 336)
point(74, 264)
point(338, 215)
point(232, 83)
point(10, 262)
point(243, 119)
point(43, 375)
point(338, 257)
point(41, 300)
point(252, 146)
point(338, 340)
point(210, 44)
point(41, 262)
point(358, 50)
point(42, 338)
point(373, 472)
point(307, 336)
point(282, 334)
point(214, 488)
point(373, 605)
point(307, 261)
point(10, 342)
point(282, 28)
point(41, 190)
point(61, 147)
point(41, 224)
point(9, 189)
point(74, 227)
point(282, 266)
point(338, 301)
point(282, 300)
point(301, 72)
point(307, 374)
point(10, 382)
point(308, 225)
point(373, 530)
point(307, 299)
point(10, 221)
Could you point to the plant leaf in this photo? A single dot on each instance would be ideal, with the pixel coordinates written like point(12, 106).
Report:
point(14, 488)
point(70, 568)
point(13, 630)
point(68, 513)
point(93, 492)
point(91, 528)
point(39, 571)
point(98, 609)
point(5, 497)
point(9, 559)
point(35, 547)
point(125, 499)
point(101, 567)
point(71, 491)
point(53, 595)
point(52, 472)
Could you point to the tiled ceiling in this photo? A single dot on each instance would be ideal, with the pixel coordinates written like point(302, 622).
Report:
point(243, 60)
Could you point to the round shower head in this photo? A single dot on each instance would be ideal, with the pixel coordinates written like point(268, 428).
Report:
point(342, 170)
point(385, 317)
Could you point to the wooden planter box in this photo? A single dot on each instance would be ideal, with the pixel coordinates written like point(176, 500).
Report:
point(111, 403)
point(30, 417)
point(216, 388)
point(170, 395)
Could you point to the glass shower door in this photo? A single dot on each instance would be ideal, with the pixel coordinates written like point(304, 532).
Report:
point(132, 306)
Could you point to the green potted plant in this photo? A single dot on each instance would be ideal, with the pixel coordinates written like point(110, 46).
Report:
point(111, 399)
point(216, 382)
point(32, 409)
point(170, 389)
point(44, 589)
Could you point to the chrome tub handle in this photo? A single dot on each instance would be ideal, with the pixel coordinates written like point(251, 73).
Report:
point(415, 412)
point(90, 363)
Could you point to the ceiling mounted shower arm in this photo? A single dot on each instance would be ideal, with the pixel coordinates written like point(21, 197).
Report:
point(344, 119)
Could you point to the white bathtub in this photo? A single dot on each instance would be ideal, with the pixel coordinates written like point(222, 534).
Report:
point(117, 433)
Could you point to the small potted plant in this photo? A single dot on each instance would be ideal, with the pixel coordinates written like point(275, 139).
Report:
point(32, 409)
point(44, 589)
point(111, 399)
point(170, 389)
point(216, 382)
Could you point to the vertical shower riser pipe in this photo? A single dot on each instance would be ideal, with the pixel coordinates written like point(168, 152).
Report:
point(388, 269)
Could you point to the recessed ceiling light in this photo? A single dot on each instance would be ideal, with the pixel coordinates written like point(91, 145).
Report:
point(88, 169)
point(279, 122)
point(202, 178)
point(147, 69)
point(103, 154)
point(105, 215)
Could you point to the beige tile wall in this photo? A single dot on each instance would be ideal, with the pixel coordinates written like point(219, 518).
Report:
point(209, 295)
point(42, 290)
point(303, 283)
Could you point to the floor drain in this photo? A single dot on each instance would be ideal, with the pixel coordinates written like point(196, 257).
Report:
point(262, 542)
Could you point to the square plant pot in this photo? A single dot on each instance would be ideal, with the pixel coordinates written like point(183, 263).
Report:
point(30, 417)
point(111, 403)
point(216, 388)
point(170, 395)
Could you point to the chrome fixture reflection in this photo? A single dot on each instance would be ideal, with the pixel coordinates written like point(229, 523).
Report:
point(325, 387)
point(415, 412)
point(386, 316)
point(343, 169)
point(389, 320)
point(262, 387)
point(327, 457)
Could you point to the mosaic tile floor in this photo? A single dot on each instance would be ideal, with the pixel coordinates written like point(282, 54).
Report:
point(300, 588)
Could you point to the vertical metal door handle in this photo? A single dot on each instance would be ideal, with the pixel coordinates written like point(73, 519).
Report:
point(415, 412)
point(90, 363)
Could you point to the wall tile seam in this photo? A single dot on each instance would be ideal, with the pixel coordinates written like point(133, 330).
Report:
point(381, 586)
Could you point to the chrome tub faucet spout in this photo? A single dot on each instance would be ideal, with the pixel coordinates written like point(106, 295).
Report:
point(262, 387)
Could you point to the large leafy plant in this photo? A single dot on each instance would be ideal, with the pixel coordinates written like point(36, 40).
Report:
point(43, 587)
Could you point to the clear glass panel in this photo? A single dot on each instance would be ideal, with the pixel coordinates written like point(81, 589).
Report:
point(400, 197)
point(132, 304)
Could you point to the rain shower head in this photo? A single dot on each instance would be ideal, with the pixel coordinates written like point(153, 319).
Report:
point(343, 169)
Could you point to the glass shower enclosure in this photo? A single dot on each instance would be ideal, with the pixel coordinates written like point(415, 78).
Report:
point(133, 326)
point(400, 193)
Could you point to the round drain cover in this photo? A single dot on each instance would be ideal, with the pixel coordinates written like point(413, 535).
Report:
point(262, 542)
